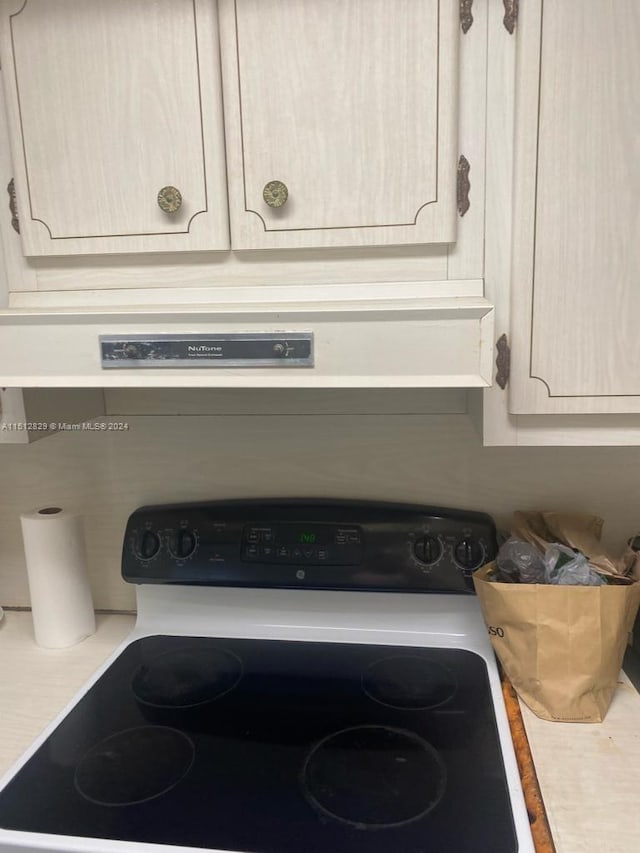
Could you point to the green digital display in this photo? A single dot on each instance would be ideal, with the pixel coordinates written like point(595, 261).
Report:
point(307, 538)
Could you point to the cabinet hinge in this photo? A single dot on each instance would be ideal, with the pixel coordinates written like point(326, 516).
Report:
point(466, 18)
point(13, 205)
point(463, 185)
point(510, 15)
point(503, 361)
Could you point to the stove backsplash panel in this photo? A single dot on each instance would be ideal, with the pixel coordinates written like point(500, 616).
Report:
point(422, 459)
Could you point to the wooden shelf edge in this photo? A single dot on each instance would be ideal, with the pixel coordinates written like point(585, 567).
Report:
point(532, 795)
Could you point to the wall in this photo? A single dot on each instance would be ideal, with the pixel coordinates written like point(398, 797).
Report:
point(434, 459)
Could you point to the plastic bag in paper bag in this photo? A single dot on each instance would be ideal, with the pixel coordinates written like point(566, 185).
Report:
point(560, 646)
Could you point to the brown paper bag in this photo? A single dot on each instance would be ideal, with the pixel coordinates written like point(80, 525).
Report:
point(560, 646)
point(576, 530)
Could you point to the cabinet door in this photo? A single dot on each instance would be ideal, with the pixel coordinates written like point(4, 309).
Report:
point(349, 105)
point(110, 101)
point(576, 270)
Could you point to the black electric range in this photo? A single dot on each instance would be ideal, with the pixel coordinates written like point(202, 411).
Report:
point(314, 741)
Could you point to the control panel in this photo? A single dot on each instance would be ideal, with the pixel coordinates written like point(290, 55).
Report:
point(304, 544)
point(313, 544)
point(257, 349)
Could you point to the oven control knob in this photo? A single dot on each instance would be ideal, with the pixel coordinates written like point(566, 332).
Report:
point(427, 549)
point(469, 554)
point(182, 543)
point(148, 545)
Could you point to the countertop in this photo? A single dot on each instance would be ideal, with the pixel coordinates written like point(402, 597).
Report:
point(589, 774)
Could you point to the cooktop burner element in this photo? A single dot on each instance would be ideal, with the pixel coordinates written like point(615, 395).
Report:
point(186, 678)
point(303, 677)
point(374, 777)
point(133, 766)
point(409, 683)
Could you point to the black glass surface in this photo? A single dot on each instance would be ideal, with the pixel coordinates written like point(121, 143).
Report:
point(269, 746)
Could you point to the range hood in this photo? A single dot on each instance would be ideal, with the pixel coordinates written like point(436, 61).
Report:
point(343, 336)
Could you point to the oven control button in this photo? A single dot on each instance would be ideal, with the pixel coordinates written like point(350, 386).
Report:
point(131, 351)
point(469, 554)
point(427, 549)
point(148, 545)
point(182, 543)
point(186, 544)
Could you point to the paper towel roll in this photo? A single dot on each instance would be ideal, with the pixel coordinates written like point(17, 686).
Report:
point(58, 581)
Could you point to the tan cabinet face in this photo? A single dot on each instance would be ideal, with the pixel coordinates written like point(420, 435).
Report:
point(576, 280)
point(109, 103)
point(341, 120)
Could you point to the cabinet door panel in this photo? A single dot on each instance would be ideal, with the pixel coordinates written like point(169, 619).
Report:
point(577, 215)
point(107, 104)
point(352, 105)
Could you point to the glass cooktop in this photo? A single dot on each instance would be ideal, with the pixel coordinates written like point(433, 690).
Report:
point(268, 746)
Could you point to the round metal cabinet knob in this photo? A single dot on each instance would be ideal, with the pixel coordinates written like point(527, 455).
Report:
point(169, 199)
point(275, 193)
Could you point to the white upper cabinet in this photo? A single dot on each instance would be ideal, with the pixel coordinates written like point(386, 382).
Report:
point(354, 113)
point(341, 121)
point(576, 254)
point(113, 106)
